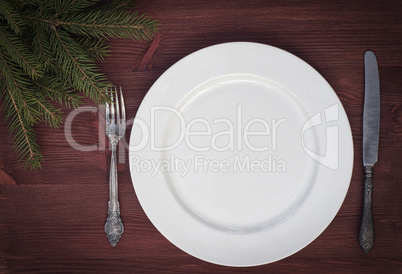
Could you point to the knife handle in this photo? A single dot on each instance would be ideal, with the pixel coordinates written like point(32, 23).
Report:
point(367, 233)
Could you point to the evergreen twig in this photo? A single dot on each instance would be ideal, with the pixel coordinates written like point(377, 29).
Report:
point(48, 55)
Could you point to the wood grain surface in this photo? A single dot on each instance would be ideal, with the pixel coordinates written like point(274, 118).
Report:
point(52, 220)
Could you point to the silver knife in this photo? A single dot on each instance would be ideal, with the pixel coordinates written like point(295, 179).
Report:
point(371, 132)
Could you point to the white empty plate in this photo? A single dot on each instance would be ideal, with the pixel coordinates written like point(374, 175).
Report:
point(241, 154)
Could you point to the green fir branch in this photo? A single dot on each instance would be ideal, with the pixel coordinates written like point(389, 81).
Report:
point(49, 54)
point(114, 24)
point(17, 84)
point(96, 49)
point(24, 136)
point(51, 89)
point(40, 44)
point(19, 52)
point(10, 14)
point(77, 63)
point(50, 116)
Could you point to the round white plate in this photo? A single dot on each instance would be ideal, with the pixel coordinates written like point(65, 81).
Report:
point(241, 154)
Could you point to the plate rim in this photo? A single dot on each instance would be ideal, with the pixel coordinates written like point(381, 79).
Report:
point(145, 204)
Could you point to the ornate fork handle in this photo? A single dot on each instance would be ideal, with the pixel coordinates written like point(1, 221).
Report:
point(114, 226)
point(115, 130)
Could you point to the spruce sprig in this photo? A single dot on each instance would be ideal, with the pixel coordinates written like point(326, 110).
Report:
point(49, 51)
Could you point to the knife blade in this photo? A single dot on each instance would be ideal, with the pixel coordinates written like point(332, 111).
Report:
point(371, 133)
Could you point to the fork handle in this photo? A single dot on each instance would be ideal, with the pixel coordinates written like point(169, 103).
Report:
point(114, 226)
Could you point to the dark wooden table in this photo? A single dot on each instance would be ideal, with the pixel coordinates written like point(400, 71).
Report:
point(52, 220)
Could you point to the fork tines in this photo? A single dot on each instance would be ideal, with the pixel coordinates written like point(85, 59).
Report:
point(113, 110)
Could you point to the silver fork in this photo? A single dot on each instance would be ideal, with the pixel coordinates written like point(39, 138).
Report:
point(115, 130)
